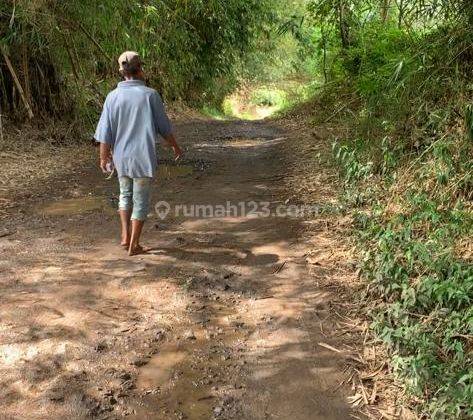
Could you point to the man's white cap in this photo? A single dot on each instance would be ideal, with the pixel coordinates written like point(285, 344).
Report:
point(129, 59)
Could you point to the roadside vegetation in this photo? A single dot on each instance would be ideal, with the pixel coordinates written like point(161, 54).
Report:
point(396, 75)
point(58, 58)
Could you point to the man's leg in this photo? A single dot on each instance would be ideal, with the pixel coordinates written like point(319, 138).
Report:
point(141, 196)
point(125, 219)
point(125, 205)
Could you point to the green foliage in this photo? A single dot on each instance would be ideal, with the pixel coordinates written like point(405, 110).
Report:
point(408, 179)
point(351, 164)
point(410, 231)
point(268, 97)
point(427, 317)
point(265, 100)
point(192, 50)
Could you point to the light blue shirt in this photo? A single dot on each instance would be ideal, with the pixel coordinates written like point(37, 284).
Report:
point(133, 115)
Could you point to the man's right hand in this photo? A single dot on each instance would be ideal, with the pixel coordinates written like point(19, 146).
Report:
point(105, 156)
point(104, 163)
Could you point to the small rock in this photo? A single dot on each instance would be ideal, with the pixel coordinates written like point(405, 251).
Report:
point(139, 362)
point(56, 396)
point(127, 385)
point(189, 335)
point(228, 400)
point(159, 335)
point(125, 376)
point(223, 287)
point(218, 411)
point(180, 240)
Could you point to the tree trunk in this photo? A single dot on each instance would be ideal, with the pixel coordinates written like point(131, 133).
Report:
point(324, 40)
point(344, 28)
point(384, 11)
point(400, 6)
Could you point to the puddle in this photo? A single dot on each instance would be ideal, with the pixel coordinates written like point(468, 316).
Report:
point(173, 171)
point(72, 206)
point(177, 386)
point(160, 368)
point(182, 376)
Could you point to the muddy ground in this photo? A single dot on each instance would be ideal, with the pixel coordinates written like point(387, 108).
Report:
point(227, 317)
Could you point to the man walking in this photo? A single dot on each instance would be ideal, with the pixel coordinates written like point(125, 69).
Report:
point(132, 117)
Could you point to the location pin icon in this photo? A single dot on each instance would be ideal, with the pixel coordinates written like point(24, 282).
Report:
point(162, 209)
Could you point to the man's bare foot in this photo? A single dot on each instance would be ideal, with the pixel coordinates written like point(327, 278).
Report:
point(136, 250)
point(125, 245)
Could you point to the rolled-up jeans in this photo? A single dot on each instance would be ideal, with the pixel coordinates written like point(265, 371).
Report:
point(135, 194)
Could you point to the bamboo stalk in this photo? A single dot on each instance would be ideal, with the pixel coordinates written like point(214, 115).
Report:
point(17, 83)
point(71, 59)
point(88, 34)
point(77, 59)
point(12, 19)
point(26, 72)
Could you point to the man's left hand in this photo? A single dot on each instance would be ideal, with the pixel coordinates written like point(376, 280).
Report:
point(177, 152)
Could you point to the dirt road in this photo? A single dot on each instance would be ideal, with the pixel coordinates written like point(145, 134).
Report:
point(222, 319)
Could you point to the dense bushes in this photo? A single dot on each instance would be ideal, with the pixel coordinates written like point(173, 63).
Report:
point(64, 51)
point(402, 84)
